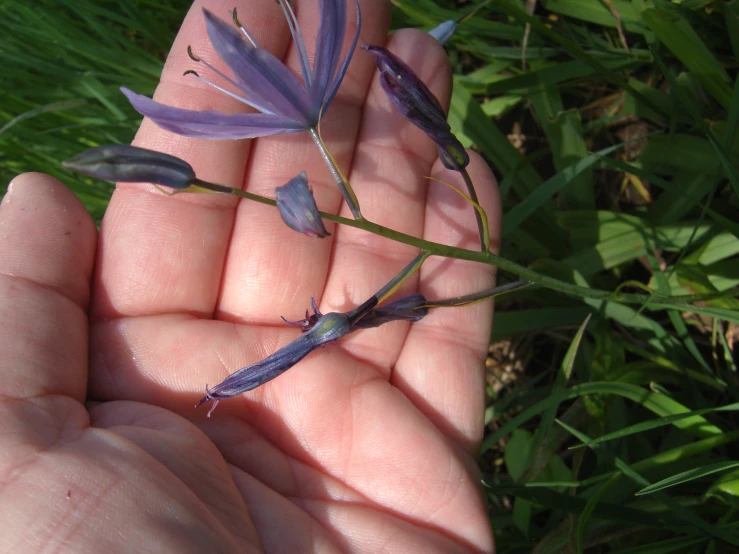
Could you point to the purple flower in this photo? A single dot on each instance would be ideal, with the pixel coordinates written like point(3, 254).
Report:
point(416, 102)
point(263, 82)
point(129, 164)
point(327, 329)
point(298, 207)
point(444, 31)
point(324, 329)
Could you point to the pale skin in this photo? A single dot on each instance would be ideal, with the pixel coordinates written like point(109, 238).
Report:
point(109, 340)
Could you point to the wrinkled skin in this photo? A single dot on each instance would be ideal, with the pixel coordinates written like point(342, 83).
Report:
point(108, 341)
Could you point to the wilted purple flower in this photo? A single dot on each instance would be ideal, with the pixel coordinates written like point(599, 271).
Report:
point(444, 31)
point(130, 164)
point(416, 102)
point(298, 207)
point(324, 330)
point(327, 329)
point(263, 81)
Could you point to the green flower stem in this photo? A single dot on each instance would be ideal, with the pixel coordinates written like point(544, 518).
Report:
point(655, 300)
point(475, 297)
point(434, 248)
point(402, 277)
point(339, 177)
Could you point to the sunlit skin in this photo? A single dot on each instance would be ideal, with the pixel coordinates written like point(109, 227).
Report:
point(109, 340)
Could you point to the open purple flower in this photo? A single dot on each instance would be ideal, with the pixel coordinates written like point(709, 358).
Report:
point(263, 82)
point(298, 207)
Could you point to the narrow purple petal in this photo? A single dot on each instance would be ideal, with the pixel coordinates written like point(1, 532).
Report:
point(407, 308)
point(329, 43)
point(338, 76)
point(210, 124)
point(263, 77)
point(298, 207)
point(329, 328)
point(254, 375)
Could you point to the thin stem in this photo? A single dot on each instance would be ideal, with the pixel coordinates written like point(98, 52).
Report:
point(395, 283)
point(390, 288)
point(482, 226)
point(360, 311)
point(434, 248)
point(341, 180)
point(656, 300)
point(475, 297)
point(482, 217)
point(244, 30)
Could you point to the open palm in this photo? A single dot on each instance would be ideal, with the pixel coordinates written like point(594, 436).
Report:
point(367, 445)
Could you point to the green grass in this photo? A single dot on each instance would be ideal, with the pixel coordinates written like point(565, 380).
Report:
point(613, 435)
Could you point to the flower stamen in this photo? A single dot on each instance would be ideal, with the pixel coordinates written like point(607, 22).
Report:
point(226, 91)
point(192, 56)
point(243, 99)
point(292, 23)
point(248, 36)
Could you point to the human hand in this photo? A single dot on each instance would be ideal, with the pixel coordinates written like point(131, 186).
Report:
point(366, 445)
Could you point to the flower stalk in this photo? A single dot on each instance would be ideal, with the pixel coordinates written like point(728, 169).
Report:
point(654, 300)
point(343, 183)
point(396, 282)
point(416, 102)
point(475, 297)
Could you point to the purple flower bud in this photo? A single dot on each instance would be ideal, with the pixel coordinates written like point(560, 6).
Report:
point(327, 329)
point(444, 31)
point(129, 164)
point(298, 207)
point(416, 102)
point(407, 308)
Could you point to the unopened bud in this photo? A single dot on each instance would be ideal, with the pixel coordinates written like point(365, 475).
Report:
point(415, 101)
point(130, 164)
